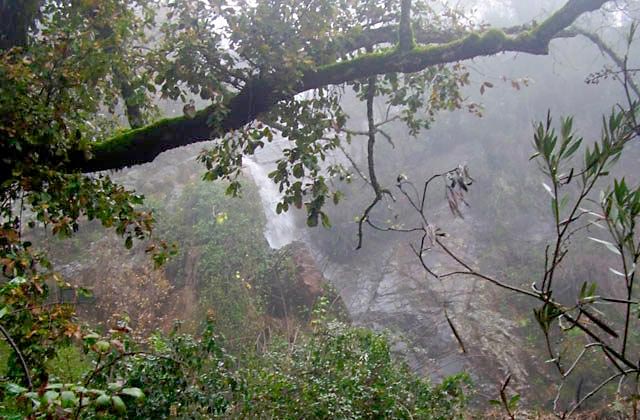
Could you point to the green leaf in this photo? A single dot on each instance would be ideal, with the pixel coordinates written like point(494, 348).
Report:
point(118, 405)
point(564, 201)
point(133, 392)
point(79, 389)
point(15, 389)
point(102, 346)
point(92, 336)
point(513, 402)
point(325, 220)
point(336, 197)
point(103, 401)
point(312, 219)
point(572, 149)
point(50, 396)
point(68, 399)
point(298, 170)
point(84, 292)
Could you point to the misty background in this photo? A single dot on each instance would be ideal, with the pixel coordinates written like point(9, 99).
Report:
point(382, 286)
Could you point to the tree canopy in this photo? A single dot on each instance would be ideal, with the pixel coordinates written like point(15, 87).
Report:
point(251, 63)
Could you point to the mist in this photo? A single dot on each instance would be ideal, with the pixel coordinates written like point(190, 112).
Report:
point(423, 225)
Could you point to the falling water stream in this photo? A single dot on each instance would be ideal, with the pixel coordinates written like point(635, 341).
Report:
point(280, 229)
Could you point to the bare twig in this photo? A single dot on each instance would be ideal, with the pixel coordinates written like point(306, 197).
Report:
point(503, 397)
point(598, 388)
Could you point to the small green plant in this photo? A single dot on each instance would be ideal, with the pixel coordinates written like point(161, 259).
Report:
point(507, 403)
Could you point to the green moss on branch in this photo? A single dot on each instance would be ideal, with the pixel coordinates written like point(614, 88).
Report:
point(126, 139)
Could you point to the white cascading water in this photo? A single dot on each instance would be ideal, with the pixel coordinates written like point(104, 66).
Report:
point(280, 229)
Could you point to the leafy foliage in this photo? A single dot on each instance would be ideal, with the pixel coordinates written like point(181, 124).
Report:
point(344, 372)
point(337, 371)
point(51, 94)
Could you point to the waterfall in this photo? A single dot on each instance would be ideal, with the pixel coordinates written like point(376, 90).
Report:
point(382, 288)
point(280, 228)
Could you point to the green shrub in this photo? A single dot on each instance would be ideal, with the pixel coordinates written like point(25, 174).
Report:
point(343, 372)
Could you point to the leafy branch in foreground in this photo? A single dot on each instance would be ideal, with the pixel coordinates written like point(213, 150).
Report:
point(98, 394)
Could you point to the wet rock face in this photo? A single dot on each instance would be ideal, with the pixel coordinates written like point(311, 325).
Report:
point(309, 279)
point(300, 295)
point(386, 288)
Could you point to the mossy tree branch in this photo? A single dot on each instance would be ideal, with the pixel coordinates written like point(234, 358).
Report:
point(258, 96)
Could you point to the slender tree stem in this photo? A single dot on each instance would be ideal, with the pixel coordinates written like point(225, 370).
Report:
point(23, 363)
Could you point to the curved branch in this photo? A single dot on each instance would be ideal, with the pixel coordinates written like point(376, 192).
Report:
point(258, 96)
point(371, 94)
point(15, 348)
point(597, 389)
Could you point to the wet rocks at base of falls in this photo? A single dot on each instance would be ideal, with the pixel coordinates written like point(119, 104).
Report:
point(298, 284)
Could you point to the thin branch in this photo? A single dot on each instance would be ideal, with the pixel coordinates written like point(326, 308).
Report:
point(354, 164)
point(598, 388)
point(15, 348)
point(582, 353)
point(371, 94)
point(471, 272)
point(503, 396)
point(373, 179)
point(555, 359)
point(454, 330)
point(608, 51)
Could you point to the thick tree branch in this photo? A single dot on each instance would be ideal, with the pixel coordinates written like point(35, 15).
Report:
point(18, 17)
point(405, 33)
point(371, 94)
point(143, 145)
point(389, 35)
